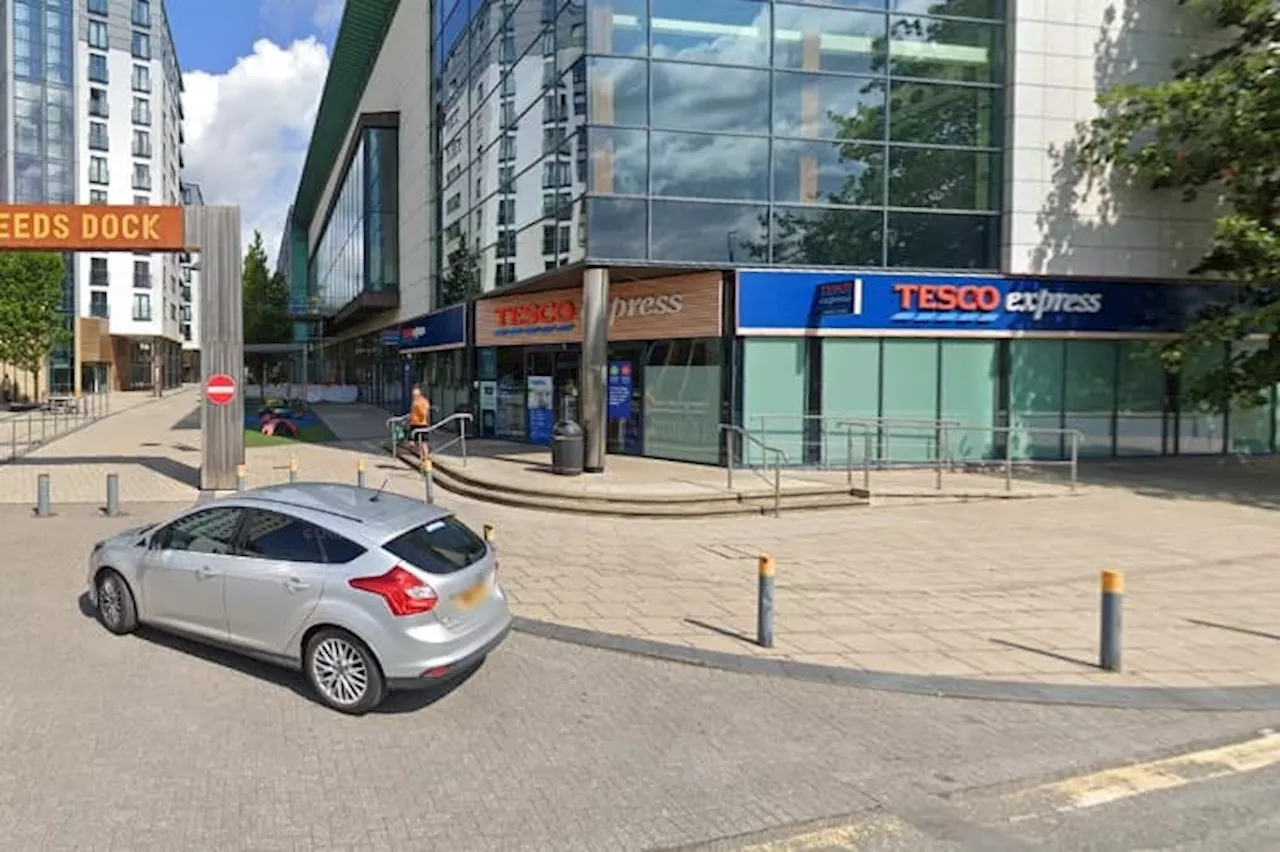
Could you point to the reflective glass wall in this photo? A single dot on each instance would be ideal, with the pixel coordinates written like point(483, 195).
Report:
point(359, 249)
point(510, 92)
point(859, 133)
point(44, 133)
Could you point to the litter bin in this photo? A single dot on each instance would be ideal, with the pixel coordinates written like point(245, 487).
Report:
point(567, 447)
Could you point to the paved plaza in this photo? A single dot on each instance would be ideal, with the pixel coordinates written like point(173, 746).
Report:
point(992, 590)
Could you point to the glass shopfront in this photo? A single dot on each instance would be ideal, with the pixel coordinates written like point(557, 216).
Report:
point(663, 393)
point(432, 355)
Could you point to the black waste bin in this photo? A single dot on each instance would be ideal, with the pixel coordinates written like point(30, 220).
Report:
point(567, 446)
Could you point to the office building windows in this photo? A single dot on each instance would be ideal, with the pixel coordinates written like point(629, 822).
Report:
point(98, 103)
point(142, 111)
point(141, 176)
point(98, 35)
point(141, 143)
point(98, 272)
point(97, 196)
point(98, 68)
point(142, 274)
point(99, 7)
point(98, 138)
point(141, 13)
point(141, 78)
point(98, 170)
point(98, 304)
point(142, 307)
point(141, 45)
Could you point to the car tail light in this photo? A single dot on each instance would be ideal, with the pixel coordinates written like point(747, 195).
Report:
point(404, 593)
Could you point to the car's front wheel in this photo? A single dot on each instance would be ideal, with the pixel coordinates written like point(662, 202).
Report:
point(343, 672)
point(116, 609)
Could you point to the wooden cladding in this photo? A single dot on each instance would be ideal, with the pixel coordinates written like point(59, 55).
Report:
point(94, 340)
point(671, 308)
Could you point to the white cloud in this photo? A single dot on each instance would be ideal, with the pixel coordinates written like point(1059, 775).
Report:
point(247, 130)
point(323, 15)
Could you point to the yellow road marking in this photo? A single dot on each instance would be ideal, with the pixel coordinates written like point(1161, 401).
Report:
point(1111, 785)
point(843, 837)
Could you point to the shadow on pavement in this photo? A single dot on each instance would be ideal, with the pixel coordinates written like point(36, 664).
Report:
point(408, 701)
point(1247, 631)
point(1244, 480)
point(721, 631)
point(1031, 649)
point(170, 468)
point(189, 422)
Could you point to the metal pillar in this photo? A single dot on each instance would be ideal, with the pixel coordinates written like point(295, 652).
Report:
point(215, 233)
point(595, 363)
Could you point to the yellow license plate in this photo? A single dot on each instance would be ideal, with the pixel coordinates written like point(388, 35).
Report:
point(472, 596)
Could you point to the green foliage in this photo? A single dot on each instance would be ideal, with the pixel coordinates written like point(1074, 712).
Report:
point(1215, 128)
point(461, 280)
point(266, 299)
point(31, 318)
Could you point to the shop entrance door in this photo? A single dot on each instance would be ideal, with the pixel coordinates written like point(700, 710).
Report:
point(567, 384)
point(625, 392)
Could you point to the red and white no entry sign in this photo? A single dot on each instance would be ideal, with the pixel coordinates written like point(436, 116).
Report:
point(220, 389)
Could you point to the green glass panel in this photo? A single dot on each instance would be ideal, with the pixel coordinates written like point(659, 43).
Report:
point(970, 396)
point(910, 400)
point(773, 396)
point(1202, 426)
point(1091, 395)
point(1036, 396)
point(1250, 426)
point(850, 391)
point(1140, 409)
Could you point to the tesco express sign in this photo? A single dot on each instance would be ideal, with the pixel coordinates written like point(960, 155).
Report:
point(560, 312)
point(988, 299)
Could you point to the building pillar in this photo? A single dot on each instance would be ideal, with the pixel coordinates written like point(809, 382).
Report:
point(595, 363)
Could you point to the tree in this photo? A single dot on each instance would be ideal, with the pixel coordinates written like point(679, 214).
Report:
point(461, 280)
point(266, 305)
point(1215, 128)
point(32, 323)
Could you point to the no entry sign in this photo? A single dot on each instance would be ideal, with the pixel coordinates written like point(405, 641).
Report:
point(220, 389)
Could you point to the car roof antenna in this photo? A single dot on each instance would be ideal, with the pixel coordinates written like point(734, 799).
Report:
point(374, 498)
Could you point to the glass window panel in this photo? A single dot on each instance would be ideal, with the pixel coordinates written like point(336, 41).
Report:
point(936, 114)
point(618, 27)
point(850, 390)
point(616, 228)
point(1140, 398)
point(699, 97)
point(705, 233)
point(1037, 376)
point(775, 377)
point(619, 91)
point(946, 179)
point(825, 106)
point(828, 173)
point(619, 161)
point(992, 9)
point(732, 32)
point(682, 401)
point(1090, 395)
point(826, 39)
point(698, 165)
point(1202, 426)
point(909, 387)
point(943, 241)
point(1250, 426)
point(970, 395)
point(814, 236)
point(945, 49)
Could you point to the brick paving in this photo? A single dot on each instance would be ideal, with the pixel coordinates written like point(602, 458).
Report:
point(148, 743)
point(1003, 590)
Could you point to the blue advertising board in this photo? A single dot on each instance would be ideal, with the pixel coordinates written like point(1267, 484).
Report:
point(619, 390)
point(436, 330)
point(850, 302)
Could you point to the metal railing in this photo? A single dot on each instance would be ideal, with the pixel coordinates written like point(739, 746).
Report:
point(814, 433)
point(423, 432)
point(58, 416)
point(732, 435)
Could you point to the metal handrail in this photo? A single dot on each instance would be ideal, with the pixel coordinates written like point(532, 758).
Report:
point(730, 430)
point(391, 429)
point(421, 433)
point(57, 417)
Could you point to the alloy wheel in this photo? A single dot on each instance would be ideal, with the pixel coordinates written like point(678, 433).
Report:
point(340, 671)
point(111, 601)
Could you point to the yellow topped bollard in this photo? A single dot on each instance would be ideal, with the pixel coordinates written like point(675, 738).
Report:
point(1109, 655)
point(293, 468)
point(360, 482)
point(764, 601)
point(490, 533)
point(429, 480)
point(240, 472)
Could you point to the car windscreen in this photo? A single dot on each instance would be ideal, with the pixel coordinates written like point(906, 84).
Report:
point(441, 546)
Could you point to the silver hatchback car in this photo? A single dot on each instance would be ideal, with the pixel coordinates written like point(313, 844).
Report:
point(362, 590)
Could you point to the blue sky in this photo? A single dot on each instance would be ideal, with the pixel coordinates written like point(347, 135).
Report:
point(212, 36)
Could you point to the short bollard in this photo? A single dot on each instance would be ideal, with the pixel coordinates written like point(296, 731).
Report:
point(1112, 612)
point(239, 477)
point(764, 603)
point(42, 496)
point(113, 495)
point(360, 474)
point(489, 533)
point(429, 479)
point(293, 468)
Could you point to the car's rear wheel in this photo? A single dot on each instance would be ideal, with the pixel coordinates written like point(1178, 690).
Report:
point(116, 609)
point(343, 672)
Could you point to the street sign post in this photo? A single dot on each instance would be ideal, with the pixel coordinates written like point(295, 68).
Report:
point(220, 389)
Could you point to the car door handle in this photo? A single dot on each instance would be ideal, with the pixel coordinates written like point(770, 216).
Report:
point(206, 572)
point(293, 584)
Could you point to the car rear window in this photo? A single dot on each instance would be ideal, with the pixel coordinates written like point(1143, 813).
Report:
point(442, 546)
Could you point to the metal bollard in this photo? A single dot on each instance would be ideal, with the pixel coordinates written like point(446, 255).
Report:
point(489, 533)
point(293, 468)
point(764, 603)
point(360, 473)
point(113, 495)
point(1112, 620)
point(239, 477)
point(42, 496)
point(429, 479)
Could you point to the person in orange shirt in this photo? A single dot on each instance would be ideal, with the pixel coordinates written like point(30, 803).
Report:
point(419, 415)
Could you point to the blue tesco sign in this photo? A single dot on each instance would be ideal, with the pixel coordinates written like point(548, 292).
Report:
point(840, 301)
point(437, 330)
